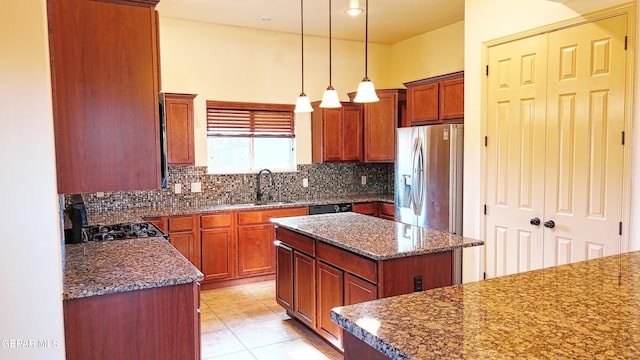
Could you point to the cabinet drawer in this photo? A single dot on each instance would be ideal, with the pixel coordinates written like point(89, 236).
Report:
point(355, 264)
point(387, 210)
point(211, 221)
point(299, 242)
point(263, 216)
point(181, 223)
point(367, 208)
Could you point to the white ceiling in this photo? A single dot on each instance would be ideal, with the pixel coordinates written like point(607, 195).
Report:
point(389, 20)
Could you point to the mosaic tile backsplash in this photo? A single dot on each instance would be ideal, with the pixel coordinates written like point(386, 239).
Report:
point(325, 180)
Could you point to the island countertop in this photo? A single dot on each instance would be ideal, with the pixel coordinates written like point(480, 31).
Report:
point(585, 310)
point(98, 268)
point(374, 238)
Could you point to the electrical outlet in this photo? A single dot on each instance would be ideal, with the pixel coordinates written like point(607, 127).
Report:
point(417, 283)
point(99, 194)
point(177, 188)
point(196, 187)
point(305, 182)
point(363, 179)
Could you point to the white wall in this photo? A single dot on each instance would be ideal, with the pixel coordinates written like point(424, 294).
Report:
point(487, 20)
point(30, 250)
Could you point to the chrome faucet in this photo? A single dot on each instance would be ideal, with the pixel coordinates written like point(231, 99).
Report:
point(259, 193)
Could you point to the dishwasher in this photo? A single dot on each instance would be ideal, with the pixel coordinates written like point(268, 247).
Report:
point(330, 208)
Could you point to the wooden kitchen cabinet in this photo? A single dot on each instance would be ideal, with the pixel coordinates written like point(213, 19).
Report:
point(304, 288)
point(380, 122)
point(330, 294)
point(435, 100)
point(343, 277)
point(385, 210)
point(184, 232)
point(219, 246)
point(104, 73)
point(161, 222)
point(365, 208)
point(337, 133)
point(284, 277)
point(256, 252)
point(179, 113)
point(160, 323)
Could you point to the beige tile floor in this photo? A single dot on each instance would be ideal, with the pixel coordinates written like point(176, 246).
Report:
point(245, 323)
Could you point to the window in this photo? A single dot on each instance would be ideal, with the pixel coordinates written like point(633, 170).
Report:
point(246, 137)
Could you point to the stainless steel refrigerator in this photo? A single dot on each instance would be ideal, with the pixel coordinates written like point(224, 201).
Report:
point(428, 179)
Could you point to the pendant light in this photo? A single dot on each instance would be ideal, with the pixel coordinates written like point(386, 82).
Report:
point(366, 91)
point(303, 104)
point(330, 97)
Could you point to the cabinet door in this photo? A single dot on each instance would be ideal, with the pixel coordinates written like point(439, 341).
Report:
point(357, 290)
point(304, 288)
point(284, 277)
point(380, 122)
point(179, 113)
point(422, 103)
point(386, 210)
point(105, 95)
point(452, 99)
point(333, 137)
point(217, 253)
point(352, 122)
point(256, 254)
point(183, 241)
point(329, 295)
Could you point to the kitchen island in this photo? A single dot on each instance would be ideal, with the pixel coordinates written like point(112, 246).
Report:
point(324, 261)
point(585, 310)
point(130, 299)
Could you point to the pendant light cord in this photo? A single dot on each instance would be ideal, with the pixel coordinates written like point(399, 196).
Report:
point(366, 39)
point(330, 82)
point(302, 40)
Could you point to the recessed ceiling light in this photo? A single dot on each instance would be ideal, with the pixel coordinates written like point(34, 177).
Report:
point(354, 11)
point(266, 18)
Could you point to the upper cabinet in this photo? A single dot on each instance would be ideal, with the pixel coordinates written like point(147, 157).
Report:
point(105, 79)
point(380, 122)
point(435, 100)
point(337, 133)
point(179, 112)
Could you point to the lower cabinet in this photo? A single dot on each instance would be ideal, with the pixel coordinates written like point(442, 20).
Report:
point(184, 231)
point(378, 209)
point(150, 324)
point(318, 276)
point(255, 250)
point(304, 288)
point(219, 248)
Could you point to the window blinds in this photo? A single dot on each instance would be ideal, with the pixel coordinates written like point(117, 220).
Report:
point(249, 119)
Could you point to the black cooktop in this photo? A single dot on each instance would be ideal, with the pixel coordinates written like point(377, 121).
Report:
point(121, 231)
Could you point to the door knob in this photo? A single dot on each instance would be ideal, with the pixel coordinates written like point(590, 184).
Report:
point(549, 224)
point(535, 221)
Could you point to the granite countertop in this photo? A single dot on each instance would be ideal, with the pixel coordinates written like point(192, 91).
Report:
point(136, 214)
point(586, 310)
point(372, 237)
point(98, 268)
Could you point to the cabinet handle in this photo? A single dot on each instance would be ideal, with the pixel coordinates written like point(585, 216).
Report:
point(549, 224)
point(535, 221)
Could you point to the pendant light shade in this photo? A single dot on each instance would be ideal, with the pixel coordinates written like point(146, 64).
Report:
point(302, 104)
point(366, 91)
point(330, 97)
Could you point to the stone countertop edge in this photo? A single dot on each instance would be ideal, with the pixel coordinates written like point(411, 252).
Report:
point(582, 310)
point(136, 214)
point(375, 238)
point(100, 268)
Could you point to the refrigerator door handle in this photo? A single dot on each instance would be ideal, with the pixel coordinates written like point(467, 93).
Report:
point(417, 187)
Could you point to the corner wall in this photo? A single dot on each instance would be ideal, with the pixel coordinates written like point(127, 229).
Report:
point(31, 325)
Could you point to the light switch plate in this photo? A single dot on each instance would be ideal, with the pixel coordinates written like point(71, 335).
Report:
point(196, 187)
point(305, 182)
point(177, 188)
point(364, 179)
point(99, 194)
